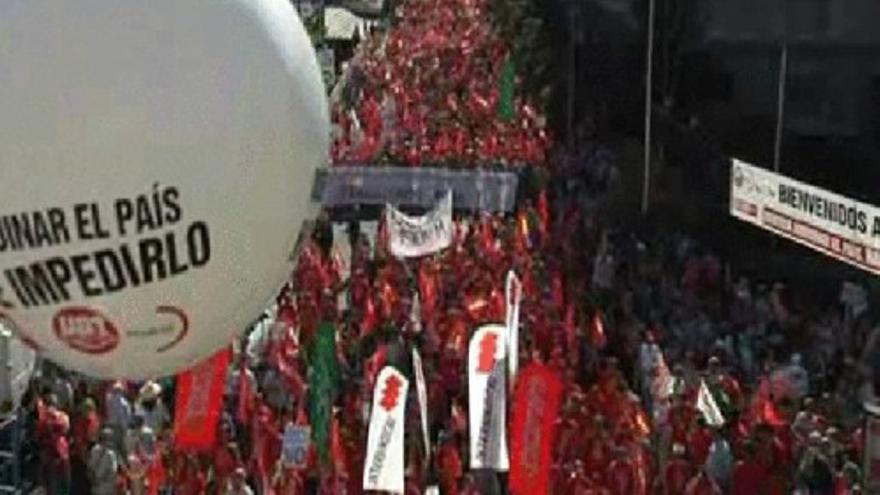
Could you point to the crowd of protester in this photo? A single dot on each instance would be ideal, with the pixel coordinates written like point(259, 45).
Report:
point(657, 320)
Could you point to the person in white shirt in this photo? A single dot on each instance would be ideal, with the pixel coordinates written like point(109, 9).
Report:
point(238, 484)
point(151, 407)
point(103, 465)
point(118, 414)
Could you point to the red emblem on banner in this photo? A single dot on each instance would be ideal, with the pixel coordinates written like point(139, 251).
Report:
point(85, 330)
point(391, 393)
point(488, 346)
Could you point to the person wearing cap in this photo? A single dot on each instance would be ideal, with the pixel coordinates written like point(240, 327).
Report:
point(103, 464)
point(152, 408)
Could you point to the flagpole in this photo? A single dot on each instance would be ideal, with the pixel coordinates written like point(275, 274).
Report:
point(780, 105)
point(571, 76)
point(649, 79)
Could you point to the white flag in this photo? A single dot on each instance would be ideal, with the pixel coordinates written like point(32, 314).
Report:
point(411, 237)
point(422, 394)
point(384, 468)
point(707, 406)
point(487, 393)
point(513, 297)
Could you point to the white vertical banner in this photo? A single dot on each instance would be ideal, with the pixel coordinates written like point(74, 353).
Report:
point(411, 236)
point(487, 393)
point(384, 466)
point(513, 298)
point(422, 395)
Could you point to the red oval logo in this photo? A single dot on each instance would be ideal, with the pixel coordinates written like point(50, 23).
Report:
point(85, 330)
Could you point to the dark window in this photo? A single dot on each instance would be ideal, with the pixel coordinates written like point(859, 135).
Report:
point(807, 18)
point(808, 94)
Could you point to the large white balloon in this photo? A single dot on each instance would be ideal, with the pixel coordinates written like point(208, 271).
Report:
point(156, 162)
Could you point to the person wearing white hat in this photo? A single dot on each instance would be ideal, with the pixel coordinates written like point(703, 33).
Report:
point(152, 408)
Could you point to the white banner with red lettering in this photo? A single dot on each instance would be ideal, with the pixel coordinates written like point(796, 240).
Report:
point(384, 468)
point(835, 225)
point(411, 237)
point(487, 392)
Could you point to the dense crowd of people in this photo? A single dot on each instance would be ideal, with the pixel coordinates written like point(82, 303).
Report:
point(681, 375)
point(655, 321)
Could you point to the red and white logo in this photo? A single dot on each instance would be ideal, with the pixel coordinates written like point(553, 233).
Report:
point(85, 330)
point(488, 347)
point(391, 393)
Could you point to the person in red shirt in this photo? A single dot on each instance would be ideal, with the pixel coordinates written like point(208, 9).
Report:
point(620, 475)
point(226, 460)
point(699, 441)
point(750, 477)
point(190, 478)
point(84, 433)
point(677, 472)
point(702, 484)
point(55, 449)
point(449, 467)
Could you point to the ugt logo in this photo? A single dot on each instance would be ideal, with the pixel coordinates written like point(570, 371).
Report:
point(391, 393)
point(488, 347)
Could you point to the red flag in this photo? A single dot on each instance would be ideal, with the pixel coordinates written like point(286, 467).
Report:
point(370, 320)
point(543, 213)
point(245, 394)
point(536, 404)
point(199, 400)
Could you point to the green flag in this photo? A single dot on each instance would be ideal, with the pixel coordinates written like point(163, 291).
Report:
point(506, 109)
point(324, 377)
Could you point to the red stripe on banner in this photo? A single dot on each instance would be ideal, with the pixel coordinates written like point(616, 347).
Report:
point(536, 403)
point(198, 403)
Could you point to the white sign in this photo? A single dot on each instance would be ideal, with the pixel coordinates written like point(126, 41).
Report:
point(513, 298)
point(843, 228)
point(411, 237)
point(157, 162)
point(422, 393)
point(487, 392)
point(366, 8)
point(295, 445)
point(384, 469)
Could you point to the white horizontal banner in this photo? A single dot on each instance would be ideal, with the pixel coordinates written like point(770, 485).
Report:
point(411, 237)
point(835, 225)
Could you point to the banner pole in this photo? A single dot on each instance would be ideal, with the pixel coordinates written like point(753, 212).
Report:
point(649, 79)
point(780, 105)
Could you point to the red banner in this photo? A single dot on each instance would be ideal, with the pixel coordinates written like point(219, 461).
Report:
point(198, 403)
point(536, 404)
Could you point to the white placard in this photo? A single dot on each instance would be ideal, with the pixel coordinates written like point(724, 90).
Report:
point(384, 469)
point(487, 395)
point(411, 236)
